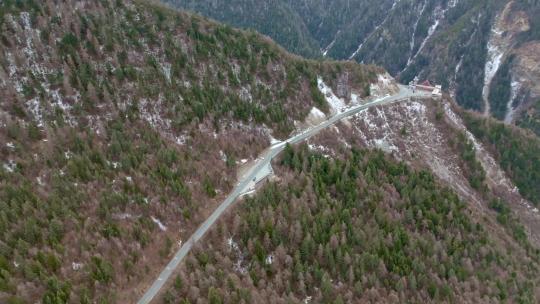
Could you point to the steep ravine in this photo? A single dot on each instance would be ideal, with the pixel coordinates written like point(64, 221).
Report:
point(496, 48)
point(507, 26)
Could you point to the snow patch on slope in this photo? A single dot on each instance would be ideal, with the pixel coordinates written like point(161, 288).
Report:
point(325, 151)
point(10, 166)
point(413, 38)
point(239, 263)
point(336, 104)
point(159, 224)
point(151, 112)
point(385, 85)
point(29, 45)
point(316, 113)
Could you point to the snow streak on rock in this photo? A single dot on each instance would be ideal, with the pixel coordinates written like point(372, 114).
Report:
point(329, 47)
point(501, 38)
point(413, 38)
point(458, 67)
point(495, 53)
point(438, 14)
point(453, 84)
point(374, 31)
point(514, 94)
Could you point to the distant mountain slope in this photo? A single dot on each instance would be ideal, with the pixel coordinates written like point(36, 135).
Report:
point(276, 19)
point(485, 52)
point(122, 124)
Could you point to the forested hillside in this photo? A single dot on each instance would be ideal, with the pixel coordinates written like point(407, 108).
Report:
point(518, 152)
point(531, 119)
point(275, 19)
point(353, 228)
point(122, 124)
point(483, 52)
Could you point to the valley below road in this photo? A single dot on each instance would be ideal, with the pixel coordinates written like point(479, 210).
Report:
point(259, 170)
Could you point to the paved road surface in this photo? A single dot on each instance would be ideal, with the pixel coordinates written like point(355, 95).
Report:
point(255, 174)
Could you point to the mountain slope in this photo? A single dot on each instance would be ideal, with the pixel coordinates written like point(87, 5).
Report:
point(350, 227)
point(341, 224)
point(516, 151)
point(123, 124)
point(484, 52)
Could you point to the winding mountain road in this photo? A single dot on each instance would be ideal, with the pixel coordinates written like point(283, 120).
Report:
point(260, 170)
